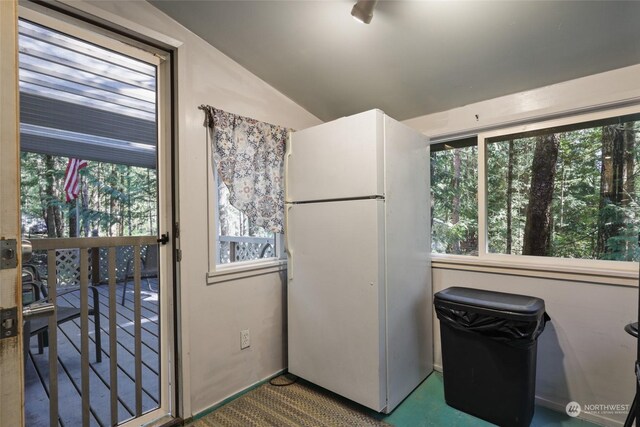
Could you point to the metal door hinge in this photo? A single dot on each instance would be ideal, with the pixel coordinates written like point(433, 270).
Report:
point(177, 230)
point(178, 255)
point(162, 58)
point(8, 322)
point(8, 254)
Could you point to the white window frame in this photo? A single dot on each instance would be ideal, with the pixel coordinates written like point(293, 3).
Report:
point(234, 270)
point(595, 271)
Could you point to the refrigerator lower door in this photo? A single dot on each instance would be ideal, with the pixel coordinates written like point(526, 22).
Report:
point(336, 298)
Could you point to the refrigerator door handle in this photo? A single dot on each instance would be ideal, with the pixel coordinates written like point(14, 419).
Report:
point(287, 246)
point(287, 155)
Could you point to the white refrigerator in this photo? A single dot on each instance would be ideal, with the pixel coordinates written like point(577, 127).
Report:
point(357, 237)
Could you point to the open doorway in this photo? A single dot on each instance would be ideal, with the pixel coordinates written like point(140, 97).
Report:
point(94, 186)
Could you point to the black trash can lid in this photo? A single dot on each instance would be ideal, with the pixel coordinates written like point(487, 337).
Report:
point(495, 302)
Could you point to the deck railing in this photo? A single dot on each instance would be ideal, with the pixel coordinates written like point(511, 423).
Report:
point(68, 263)
point(239, 248)
point(86, 255)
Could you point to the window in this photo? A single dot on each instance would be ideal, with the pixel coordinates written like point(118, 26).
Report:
point(81, 100)
point(568, 192)
point(454, 204)
point(237, 238)
point(246, 194)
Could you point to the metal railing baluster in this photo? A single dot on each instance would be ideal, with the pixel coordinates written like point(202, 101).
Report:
point(53, 339)
point(113, 340)
point(84, 335)
point(137, 310)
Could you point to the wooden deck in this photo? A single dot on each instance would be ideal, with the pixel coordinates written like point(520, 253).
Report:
point(69, 377)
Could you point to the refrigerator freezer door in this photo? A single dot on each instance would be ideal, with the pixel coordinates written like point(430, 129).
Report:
point(336, 298)
point(337, 160)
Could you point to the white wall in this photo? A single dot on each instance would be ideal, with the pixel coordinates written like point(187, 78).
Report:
point(621, 85)
point(213, 316)
point(584, 355)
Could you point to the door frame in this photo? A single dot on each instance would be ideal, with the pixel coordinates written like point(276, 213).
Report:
point(11, 365)
point(90, 26)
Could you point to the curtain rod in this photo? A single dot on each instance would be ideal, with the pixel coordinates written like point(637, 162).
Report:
point(208, 119)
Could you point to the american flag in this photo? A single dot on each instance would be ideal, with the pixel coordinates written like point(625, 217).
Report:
point(72, 178)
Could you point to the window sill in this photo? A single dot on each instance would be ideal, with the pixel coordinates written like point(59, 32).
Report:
point(595, 275)
point(241, 270)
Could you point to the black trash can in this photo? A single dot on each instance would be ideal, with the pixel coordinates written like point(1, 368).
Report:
point(489, 346)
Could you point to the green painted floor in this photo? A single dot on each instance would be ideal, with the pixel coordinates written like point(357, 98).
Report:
point(426, 407)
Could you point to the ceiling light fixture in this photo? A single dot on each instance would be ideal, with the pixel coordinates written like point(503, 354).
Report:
point(363, 10)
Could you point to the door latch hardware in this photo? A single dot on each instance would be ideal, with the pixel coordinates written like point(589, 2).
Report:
point(8, 254)
point(164, 239)
point(27, 250)
point(8, 322)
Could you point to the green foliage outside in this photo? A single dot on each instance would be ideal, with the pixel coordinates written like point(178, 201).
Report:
point(114, 200)
point(594, 212)
point(581, 206)
point(454, 202)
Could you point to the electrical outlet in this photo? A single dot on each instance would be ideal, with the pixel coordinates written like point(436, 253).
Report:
point(245, 339)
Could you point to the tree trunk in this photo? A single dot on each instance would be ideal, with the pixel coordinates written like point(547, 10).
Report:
point(629, 138)
point(455, 203)
point(85, 208)
point(73, 219)
point(537, 230)
point(95, 224)
point(57, 212)
point(112, 201)
point(562, 198)
point(122, 205)
point(129, 201)
point(510, 160)
point(150, 205)
point(58, 220)
point(612, 189)
point(50, 210)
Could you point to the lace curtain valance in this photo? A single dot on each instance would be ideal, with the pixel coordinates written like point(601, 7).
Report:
point(249, 157)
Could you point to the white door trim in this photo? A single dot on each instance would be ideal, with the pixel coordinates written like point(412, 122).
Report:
point(11, 366)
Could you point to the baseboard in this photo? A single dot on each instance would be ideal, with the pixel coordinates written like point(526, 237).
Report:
point(233, 397)
point(176, 422)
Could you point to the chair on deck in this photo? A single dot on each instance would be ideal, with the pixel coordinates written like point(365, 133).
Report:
point(149, 261)
point(40, 326)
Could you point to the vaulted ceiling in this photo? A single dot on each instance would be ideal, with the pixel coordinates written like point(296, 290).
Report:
point(416, 57)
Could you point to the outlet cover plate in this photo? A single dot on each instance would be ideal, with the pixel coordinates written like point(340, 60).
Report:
point(245, 339)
